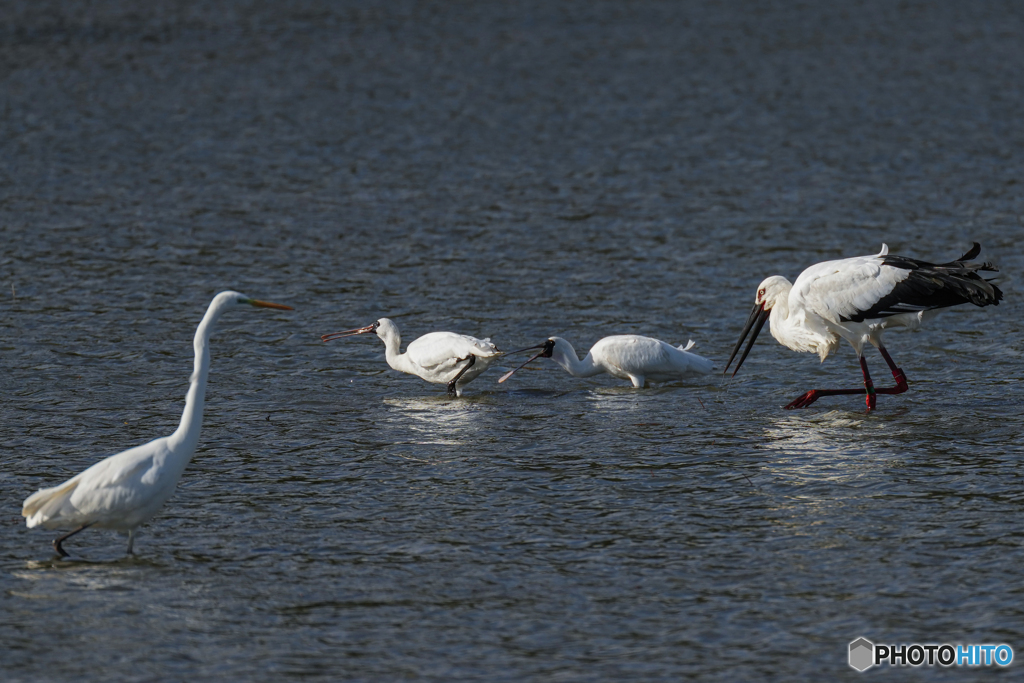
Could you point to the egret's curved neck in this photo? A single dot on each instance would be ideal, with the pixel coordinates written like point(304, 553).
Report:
point(567, 358)
point(187, 433)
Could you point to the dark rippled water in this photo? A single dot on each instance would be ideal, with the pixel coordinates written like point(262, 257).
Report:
point(512, 170)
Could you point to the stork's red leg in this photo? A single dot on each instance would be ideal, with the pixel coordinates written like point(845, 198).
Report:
point(814, 394)
point(897, 374)
point(869, 387)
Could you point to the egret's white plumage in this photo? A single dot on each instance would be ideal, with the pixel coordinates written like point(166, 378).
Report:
point(438, 357)
point(127, 489)
point(625, 356)
point(856, 299)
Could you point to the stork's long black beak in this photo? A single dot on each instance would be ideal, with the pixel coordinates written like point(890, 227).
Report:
point(757, 318)
point(546, 348)
point(349, 333)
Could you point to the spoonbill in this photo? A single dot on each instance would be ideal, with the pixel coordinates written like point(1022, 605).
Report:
point(624, 356)
point(438, 357)
point(125, 490)
point(856, 299)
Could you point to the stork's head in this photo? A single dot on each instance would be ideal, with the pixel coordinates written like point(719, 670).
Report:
point(769, 292)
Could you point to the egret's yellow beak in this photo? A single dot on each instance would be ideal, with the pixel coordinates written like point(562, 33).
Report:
point(267, 304)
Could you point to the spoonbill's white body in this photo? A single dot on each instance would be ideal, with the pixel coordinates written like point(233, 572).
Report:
point(856, 299)
point(128, 489)
point(625, 356)
point(438, 357)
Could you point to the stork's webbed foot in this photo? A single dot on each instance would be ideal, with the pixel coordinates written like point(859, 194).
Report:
point(804, 400)
point(901, 381)
point(814, 394)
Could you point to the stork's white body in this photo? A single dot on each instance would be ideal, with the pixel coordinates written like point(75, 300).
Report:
point(632, 357)
point(813, 313)
point(126, 490)
point(856, 299)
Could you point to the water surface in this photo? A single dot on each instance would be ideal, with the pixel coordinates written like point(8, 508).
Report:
point(513, 171)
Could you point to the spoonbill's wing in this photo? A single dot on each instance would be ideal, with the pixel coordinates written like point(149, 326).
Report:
point(437, 348)
point(631, 353)
point(688, 362)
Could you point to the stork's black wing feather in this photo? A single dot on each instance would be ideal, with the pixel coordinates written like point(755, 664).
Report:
point(972, 253)
point(929, 285)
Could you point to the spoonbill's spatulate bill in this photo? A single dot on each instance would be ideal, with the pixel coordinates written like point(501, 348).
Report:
point(856, 299)
point(126, 490)
point(438, 357)
point(624, 356)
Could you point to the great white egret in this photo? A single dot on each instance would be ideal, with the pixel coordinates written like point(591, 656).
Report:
point(126, 490)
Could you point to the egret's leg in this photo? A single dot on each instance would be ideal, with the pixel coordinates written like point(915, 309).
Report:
point(131, 541)
point(451, 385)
point(57, 542)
